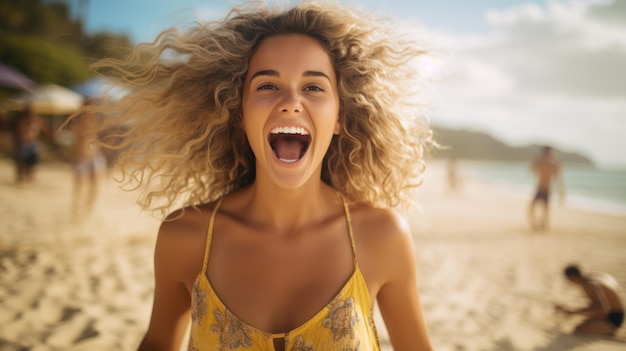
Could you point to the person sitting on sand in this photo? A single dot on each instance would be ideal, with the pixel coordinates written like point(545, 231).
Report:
point(605, 313)
point(547, 169)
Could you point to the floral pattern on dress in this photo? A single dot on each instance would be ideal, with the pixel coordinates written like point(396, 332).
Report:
point(199, 304)
point(355, 347)
point(342, 319)
point(301, 345)
point(372, 325)
point(233, 333)
point(192, 346)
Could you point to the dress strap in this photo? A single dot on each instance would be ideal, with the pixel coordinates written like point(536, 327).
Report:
point(209, 235)
point(346, 209)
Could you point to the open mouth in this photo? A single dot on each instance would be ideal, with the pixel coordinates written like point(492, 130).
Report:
point(289, 143)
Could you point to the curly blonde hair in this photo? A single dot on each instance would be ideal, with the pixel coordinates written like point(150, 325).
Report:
point(183, 135)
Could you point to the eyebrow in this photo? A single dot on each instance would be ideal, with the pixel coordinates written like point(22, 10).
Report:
point(273, 73)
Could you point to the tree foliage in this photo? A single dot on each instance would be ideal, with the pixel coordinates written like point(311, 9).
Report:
point(42, 40)
point(44, 61)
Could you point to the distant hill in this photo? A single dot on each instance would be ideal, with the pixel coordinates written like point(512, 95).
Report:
point(474, 145)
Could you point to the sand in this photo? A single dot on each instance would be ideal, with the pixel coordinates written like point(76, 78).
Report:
point(487, 282)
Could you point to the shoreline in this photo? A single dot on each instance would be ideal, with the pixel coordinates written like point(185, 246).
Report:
point(574, 199)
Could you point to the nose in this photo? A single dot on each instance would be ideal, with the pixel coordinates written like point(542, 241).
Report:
point(290, 102)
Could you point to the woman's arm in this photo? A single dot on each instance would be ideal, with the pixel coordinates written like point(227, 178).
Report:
point(171, 306)
point(398, 298)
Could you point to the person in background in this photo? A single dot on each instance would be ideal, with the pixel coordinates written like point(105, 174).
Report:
point(87, 161)
point(455, 182)
point(28, 128)
point(547, 170)
point(605, 312)
point(289, 137)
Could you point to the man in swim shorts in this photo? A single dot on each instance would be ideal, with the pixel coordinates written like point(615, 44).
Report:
point(605, 312)
point(548, 170)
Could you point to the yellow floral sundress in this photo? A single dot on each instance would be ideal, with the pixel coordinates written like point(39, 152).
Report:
point(345, 324)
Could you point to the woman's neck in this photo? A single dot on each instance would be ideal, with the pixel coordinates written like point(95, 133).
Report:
point(282, 210)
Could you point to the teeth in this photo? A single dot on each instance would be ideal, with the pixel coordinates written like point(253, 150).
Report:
point(288, 161)
point(289, 130)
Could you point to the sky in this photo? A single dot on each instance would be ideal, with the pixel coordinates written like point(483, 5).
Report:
point(526, 71)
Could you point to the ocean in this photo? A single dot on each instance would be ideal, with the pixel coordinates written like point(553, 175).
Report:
point(586, 187)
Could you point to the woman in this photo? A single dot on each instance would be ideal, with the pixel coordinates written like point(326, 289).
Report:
point(287, 136)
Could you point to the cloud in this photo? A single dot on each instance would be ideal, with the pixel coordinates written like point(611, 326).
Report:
point(552, 73)
point(613, 13)
point(209, 13)
point(565, 47)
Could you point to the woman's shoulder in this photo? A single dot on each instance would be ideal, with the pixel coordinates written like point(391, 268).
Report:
point(378, 223)
point(181, 242)
point(186, 226)
point(380, 232)
point(384, 244)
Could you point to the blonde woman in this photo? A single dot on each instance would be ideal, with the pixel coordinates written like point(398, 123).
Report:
point(288, 135)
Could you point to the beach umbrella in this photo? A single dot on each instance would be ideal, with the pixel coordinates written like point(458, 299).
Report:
point(49, 99)
point(99, 87)
point(11, 78)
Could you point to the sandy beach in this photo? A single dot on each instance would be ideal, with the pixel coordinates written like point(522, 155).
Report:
point(487, 282)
